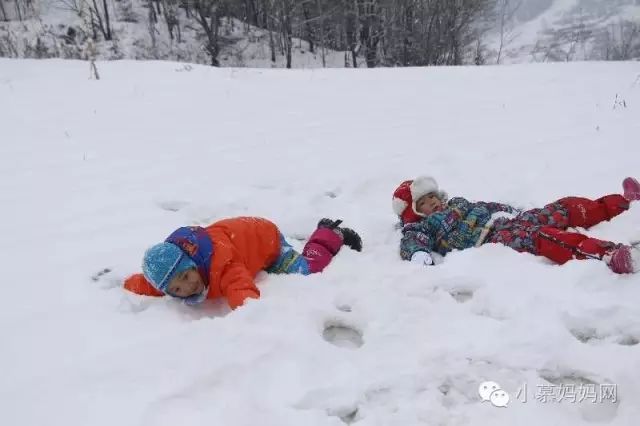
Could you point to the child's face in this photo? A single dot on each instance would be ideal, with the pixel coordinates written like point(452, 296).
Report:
point(186, 284)
point(428, 204)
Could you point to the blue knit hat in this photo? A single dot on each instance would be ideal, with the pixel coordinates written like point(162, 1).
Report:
point(162, 262)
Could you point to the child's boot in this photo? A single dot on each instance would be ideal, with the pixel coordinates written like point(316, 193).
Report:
point(631, 188)
point(350, 237)
point(323, 244)
point(624, 260)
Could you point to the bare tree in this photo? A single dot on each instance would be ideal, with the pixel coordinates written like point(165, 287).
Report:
point(628, 40)
point(370, 30)
point(5, 17)
point(308, 24)
point(207, 14)
point(620, 41)
point(286, 12)
point(91, 56)
point(506, 13)
point(151, 21)
point(8, 45)
point(90, 12)
point(321, 24)
point(170, 12)
point(351, 20)
point(107, 20)
point(266, 9)
point(102, 17)
point(18, 11)
point(251, 12)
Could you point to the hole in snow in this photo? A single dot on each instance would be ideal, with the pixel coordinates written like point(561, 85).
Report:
point(344, 308)
point(565, 378)
point(584, 335)
point(172, 206)
point(331, 194)
point(461, 295)
point(99, 274)
point(347, 414)
point(597, 402)
point(343, 336)
point(349, 418)
point(628, 341)
point(444, 388)
point(298, 237)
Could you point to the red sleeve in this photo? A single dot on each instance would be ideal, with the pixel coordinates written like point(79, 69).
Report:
point(237, 285)
point(138, 284)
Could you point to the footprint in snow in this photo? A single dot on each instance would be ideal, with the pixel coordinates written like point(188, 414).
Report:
point(127, 306)
point(344, 308)
point(627, 340)
point(96, 277)
point(597, 398)
point(591, 335)
point(349, 417)
point(298, 237)
point(335, 402)
point(264, 187)
point(172, 205)
point(461, 289)
point(106, 279)
point(331, 194)
point(461, 295)
point(342, 335)
point(567, 377)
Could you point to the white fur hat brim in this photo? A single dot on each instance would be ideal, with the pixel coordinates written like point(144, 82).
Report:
point(422, 186)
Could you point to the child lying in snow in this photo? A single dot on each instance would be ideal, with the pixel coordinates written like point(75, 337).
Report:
point(196, 263)
point(431, 223)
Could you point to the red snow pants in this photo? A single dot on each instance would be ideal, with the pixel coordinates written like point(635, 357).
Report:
point(543, 232)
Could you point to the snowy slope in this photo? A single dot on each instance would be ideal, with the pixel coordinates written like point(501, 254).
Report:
point(554, 30)
point(534, 31)
point(95, 171)
point(241, 45)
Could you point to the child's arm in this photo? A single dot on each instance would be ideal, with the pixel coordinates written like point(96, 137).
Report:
point(461, 205)
point(138, 284)
point(415, 241)
point(237, 285)
point(498, 207)
point(464, 206)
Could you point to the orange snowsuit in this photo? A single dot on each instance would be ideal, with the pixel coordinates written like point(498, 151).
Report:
point(242, 247)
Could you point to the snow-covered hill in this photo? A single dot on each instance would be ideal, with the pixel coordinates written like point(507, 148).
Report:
point(54, 31)
point(521, 31)
point(93, 172)
point(567, 30)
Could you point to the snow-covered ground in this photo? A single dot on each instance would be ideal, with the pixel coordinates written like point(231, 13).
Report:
point(93, 172)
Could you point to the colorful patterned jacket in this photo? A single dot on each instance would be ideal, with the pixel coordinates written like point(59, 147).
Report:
point(459, 226)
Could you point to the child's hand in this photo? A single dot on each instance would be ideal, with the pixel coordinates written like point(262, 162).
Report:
point(422, 257)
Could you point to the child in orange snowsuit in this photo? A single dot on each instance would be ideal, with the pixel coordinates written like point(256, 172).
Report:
point(221, 260)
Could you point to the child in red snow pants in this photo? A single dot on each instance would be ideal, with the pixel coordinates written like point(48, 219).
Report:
point(544, 232)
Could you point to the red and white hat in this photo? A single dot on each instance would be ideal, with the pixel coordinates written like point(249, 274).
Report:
point(410, 191)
